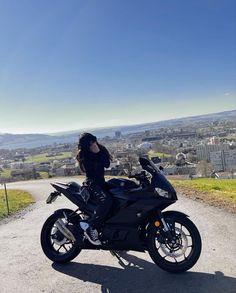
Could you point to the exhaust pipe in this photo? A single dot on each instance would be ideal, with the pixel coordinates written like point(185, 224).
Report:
point(64, 230)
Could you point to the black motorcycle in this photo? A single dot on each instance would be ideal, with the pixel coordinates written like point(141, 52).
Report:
point(135, 222)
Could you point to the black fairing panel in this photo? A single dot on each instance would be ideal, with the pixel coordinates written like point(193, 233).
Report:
point(160, 181)
point(133, 212)
point(133, 193)
point(130, 206)
point(75, 197)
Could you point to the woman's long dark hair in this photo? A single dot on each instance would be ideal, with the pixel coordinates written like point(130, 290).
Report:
point(84, 151)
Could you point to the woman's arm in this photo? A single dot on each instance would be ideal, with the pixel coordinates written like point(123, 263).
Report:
point(105, 157)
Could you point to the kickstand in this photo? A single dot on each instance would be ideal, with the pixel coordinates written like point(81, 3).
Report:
point(121, 262)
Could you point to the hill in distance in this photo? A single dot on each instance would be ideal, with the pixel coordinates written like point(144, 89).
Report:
point(15, 141)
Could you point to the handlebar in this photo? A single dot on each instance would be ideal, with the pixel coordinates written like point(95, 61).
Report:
point(138, 176)
point(141, 177)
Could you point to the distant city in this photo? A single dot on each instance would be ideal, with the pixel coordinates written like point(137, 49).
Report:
point(201, 146)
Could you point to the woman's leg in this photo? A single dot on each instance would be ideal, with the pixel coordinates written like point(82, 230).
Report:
point(103, 201)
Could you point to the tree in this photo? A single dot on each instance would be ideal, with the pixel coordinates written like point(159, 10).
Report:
point(130, 162)
point(232, 171)
point(205, 169)
point(161, 148)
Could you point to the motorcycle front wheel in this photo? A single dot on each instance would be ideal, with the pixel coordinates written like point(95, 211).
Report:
point(54, 244)
point(180, 253)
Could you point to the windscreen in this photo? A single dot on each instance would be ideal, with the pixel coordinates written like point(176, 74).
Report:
point(148, 165)
point(158, 179)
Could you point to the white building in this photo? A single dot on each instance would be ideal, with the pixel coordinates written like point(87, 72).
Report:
point(230, 160)
point(216, 160)
point(203, 151)
point(223, 160)
point(214, 140)
point(21, 165)
point(146, 146)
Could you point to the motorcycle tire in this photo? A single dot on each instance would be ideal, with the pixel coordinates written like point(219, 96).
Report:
point(165, 262)
point(47, 243)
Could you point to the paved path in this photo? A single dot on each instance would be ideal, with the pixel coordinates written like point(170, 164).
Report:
point(24, 268)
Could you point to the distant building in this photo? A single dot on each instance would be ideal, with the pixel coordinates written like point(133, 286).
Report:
point(152, 138)
point(43, 167)
point(21, 165)
point(147, 146)
point(203, 151)
point(170, 169)
point(223, 160)
point(181, 170)
point(230, 160)
point(147, 132)
point(217, 161)
point(24, 174)
point(214, 140)
point(19, 157)
point(118, 134)
point(129, 146)
point(122, 153)
point(183, 135)
point(67, 170)
point(114, 169)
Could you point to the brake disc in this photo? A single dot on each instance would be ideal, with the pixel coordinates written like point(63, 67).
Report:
point(177, 248)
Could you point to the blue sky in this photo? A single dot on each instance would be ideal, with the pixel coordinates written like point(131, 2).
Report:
point(76, 64)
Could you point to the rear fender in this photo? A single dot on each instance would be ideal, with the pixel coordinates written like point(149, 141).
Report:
point(61, 212)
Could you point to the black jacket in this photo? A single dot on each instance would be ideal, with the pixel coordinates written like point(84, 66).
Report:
point(94, 164)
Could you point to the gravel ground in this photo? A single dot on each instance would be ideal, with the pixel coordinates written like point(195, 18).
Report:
point(24, 268)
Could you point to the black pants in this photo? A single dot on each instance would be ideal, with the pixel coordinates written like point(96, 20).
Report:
point(103, 202)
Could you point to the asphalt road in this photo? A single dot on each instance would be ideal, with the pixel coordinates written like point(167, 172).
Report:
point(24, 268)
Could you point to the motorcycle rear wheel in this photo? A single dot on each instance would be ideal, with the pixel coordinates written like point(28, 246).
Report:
point(182, 253)
point(54, 244)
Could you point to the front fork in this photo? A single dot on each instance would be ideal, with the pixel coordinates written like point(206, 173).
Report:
point(166, 227)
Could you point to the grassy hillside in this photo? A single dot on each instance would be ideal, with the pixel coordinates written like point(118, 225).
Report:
point(219, 192)
point(43, 157)
point(6, 173)
point(152, 154)
point(17, 199)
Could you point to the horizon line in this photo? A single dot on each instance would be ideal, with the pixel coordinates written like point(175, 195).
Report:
point(64, 132)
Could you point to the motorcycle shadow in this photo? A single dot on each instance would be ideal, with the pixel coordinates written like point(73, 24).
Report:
point(139, 275)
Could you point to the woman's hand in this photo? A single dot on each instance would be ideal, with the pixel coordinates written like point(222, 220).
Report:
point(94, 148)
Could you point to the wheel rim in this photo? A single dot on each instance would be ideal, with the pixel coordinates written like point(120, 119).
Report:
point(60, 244)
point(180, 248)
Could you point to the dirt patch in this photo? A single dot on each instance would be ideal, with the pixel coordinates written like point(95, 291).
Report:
point(208, 198)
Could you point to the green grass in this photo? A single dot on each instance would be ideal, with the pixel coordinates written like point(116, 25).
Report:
point(223, 189)
point(44, 175)
point(43, 157)
point(157, 154)
point(6, 173)
point(17, 199)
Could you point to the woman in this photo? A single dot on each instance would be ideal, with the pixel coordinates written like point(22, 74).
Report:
point(93, 158)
